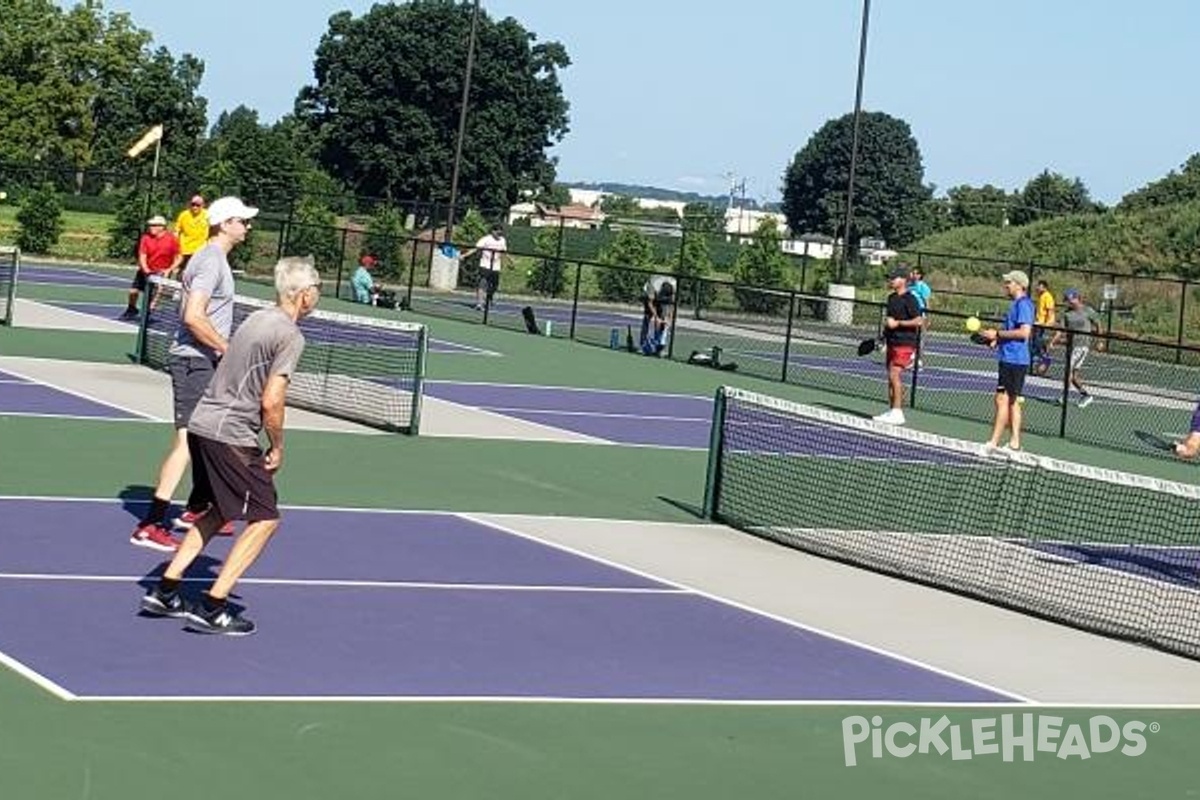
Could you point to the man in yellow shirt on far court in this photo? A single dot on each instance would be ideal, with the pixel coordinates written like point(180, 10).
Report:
point(191, 226)
point(1044, 317)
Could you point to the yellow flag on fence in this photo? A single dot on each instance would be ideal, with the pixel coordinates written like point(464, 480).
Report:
point(150, 137)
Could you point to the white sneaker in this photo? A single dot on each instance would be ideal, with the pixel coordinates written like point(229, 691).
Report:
point(1086, 401)
point(893, 416)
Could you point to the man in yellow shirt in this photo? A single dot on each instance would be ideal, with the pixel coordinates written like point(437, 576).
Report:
point(191, 226)
point(1044, 317)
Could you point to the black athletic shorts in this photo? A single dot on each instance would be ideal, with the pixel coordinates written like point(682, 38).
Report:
point(139, 281)
point(1012, 379)
point(233, 479)
point(189, 378)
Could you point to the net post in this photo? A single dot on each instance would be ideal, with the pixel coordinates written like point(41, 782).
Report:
point(11, 291)
point(575, 301)
point(144, 320)
point(1066, 387)
point(787, 338)
point(716, 446)
point(414, 426)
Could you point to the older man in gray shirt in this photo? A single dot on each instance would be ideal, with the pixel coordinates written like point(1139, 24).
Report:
point(206, 321)
point(234, 476)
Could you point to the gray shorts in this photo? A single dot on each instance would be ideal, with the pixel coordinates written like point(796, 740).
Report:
point(189, 378)
point(1079, 354)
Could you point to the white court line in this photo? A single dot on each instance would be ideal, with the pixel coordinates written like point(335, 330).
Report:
point(685, 589)
point(37, 678)
point(540, 387)
point(82, 395)
point(658, 417)
point(81, 417)
point(354, 584)
point(17, 382)
point(1017, 703)
point(749, 609)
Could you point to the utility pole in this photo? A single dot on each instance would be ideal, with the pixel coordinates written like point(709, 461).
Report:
point(462, 124)
point(862, 60)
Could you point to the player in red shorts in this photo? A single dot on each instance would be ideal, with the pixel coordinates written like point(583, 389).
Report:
point(902, 333)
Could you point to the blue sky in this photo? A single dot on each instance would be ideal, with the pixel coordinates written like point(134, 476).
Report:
point(677, 93)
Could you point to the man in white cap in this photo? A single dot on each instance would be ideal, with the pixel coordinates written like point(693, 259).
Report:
point(205, 325)
point(157, 254)
point(1011, 343)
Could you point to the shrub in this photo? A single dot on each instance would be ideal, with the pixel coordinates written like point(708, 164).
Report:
point(39, 221)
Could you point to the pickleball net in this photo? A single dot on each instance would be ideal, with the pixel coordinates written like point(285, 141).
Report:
point(364, 369)
point(10, 264)
point(1111, 552)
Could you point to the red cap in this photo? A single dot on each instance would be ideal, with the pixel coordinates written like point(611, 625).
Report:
point(367, 261)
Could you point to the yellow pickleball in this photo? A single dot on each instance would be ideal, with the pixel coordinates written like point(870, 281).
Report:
point(973, 324)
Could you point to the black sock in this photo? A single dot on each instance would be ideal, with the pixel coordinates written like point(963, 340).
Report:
point(158, 511)
point(213, 603)
point(168, 585)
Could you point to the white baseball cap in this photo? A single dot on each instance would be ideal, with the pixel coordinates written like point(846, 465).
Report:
point(226, 208)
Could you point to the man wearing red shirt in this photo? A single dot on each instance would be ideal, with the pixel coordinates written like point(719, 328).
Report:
point(158, 254)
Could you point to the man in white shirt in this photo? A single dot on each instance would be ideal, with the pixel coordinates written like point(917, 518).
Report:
point(491, 249)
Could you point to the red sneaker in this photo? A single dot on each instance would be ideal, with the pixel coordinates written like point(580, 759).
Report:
point(188, 519)
point(154, 537)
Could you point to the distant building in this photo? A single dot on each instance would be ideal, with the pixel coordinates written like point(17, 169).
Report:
point(540, 215)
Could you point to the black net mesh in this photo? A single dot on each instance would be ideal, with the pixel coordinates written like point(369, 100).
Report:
point(1111, 552)
point(363, 369)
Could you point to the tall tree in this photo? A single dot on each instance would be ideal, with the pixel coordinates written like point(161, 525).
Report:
point(979, 205)
point(1177, 187)
point(1051, 195)
point(385, 103)
point(888, 191)
point(261, 160)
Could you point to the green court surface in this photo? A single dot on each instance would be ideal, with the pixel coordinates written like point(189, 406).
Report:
point(51, 748)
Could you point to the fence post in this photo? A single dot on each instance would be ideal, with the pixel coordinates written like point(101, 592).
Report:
point(575, 301)
point(412, 268)
point(1183, 293)
point(916, 369)
point(787, 339)
point(341, 260)
point(286, 233)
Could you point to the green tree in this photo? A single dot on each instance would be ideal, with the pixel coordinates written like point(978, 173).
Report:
point(314, 233)
point(386, 99)
point(260, 162)
point(1051, 195)
point(888, 191)
point(549, 273)
point(703, 218)
point(386, 238)
point(77, 87)
point(979, 205)
point(629, 248)
point(695, 263)
point(762, 264)
point(39, 221)
point(1177, 187)
point(620, 206)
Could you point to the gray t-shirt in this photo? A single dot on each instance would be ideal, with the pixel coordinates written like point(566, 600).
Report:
point(207, 272)
point(268, 343)
point(1080, 321)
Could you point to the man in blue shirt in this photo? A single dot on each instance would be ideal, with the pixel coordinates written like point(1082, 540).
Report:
point(1011, 343)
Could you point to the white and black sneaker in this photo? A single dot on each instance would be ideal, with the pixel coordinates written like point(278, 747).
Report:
point(156, 603)
point(201, 619)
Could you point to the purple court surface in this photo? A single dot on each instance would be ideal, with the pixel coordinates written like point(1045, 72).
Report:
point(358, 604)
point(21, 396)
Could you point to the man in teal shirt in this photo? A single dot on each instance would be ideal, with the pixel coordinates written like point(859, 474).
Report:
point(362, 282)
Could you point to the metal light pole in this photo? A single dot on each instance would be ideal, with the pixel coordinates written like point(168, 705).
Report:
point(462, 124)
point(862, 61)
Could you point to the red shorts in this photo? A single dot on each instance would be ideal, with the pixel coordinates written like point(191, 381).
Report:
point(901, 355)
